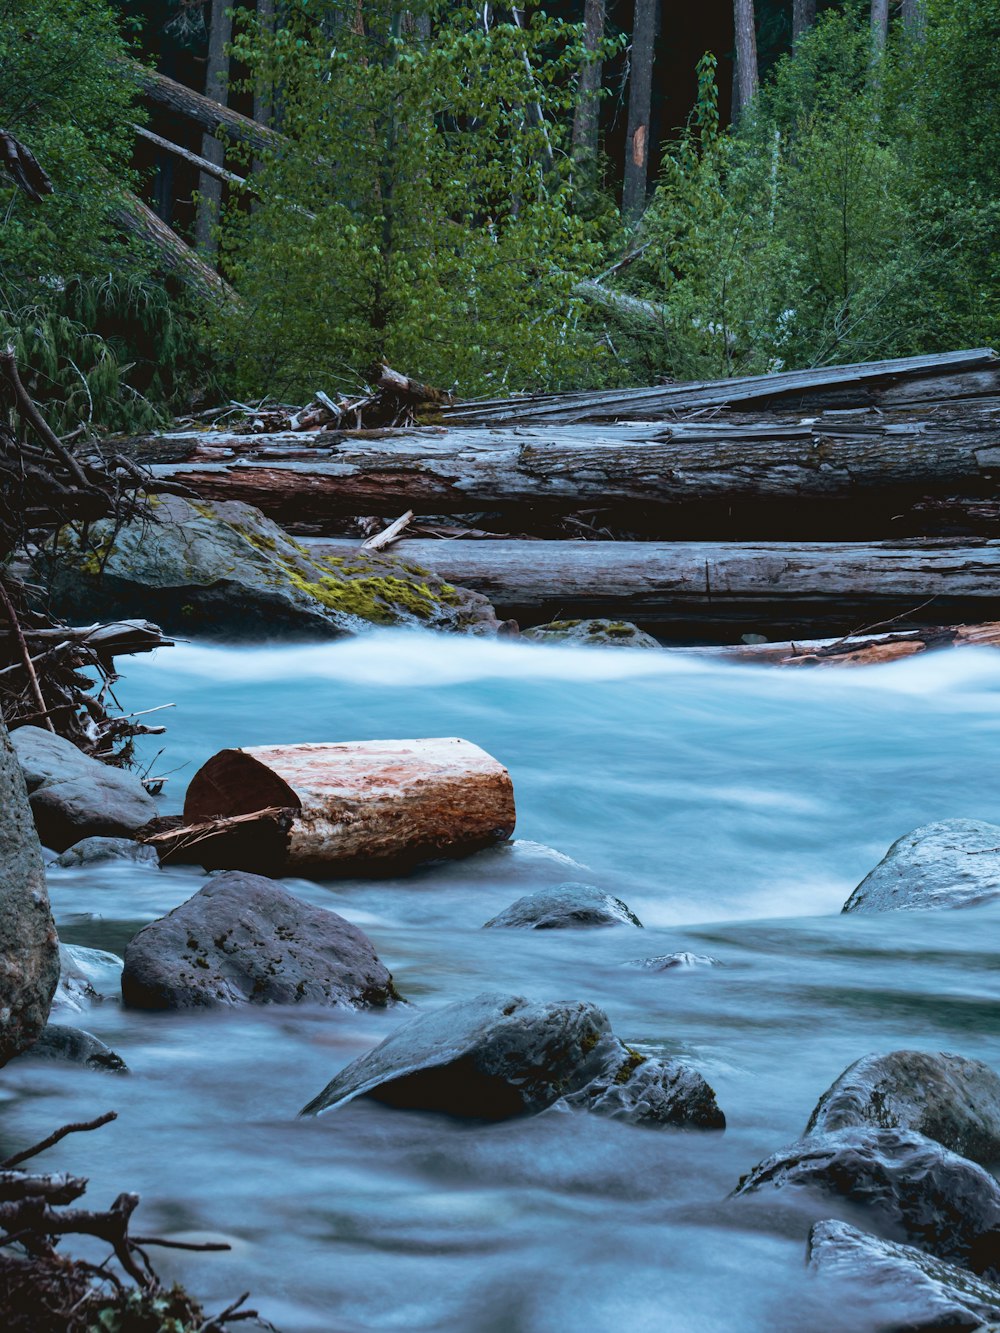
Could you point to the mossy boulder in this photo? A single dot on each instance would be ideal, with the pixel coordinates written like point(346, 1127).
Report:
point(592, 633)
point(225, 569)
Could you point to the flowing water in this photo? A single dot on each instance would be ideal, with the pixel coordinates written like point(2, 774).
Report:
point(732, 808)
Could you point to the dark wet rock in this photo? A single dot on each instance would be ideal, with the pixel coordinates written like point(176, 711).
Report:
point(29, 950)
point(668, 961)
point(945, 1097)
point(594, 633)
point(223, 568)
point(909, 1186)
point(488, 1058)
point(243, 939)
point(954, 863)
point(74, 797)
point(649, 1091)
point(92, 851)
point(566, 907)
point(84, 976)
point(76, 1047)
point(915, 1290)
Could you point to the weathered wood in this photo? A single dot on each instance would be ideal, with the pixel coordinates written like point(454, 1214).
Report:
point(355, 806)
point(174, 255)
point(868, 459)
point(858, 650)
point(210, 115)
point(194, 159)
point(711, 582)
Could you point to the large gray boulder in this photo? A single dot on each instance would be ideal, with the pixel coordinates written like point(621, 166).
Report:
point(914, 1290)
point(97, 851)
point(223, 568)
point(592, 634)
point(910, 1186)
point(29, 950)
point(243, 939)
point(954, 863)
point(945, 1097)
point(498, 1056)
point(73, 796)
point(566, 907)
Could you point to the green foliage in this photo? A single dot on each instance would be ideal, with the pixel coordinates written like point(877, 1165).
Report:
point(425, 213)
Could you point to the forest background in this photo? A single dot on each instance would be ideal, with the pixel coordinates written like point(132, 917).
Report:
point(598, 193)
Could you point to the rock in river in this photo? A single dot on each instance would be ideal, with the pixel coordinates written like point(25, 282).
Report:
point(499, 1056)
point(29, 950)
point(909, 1186)
point(73, 796)
point(593, 633)
point(954, 863)
point(945, 1097)
point(566, 907)
point(93, 851)
point(223, 568)
point(74, 1046)
point(243, 939)
point(913, 1290)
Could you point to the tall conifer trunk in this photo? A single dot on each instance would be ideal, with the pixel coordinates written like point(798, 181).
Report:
point(586, 116)
point(803, 18)
point(880, 25)
point(216, 86)
point(639, 103)
point(746, 78)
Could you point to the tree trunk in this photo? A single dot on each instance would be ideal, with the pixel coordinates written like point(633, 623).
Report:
point(639, 103)
point(209, 114)
point(880, 25)
point(746, 55)
point(174, 255)
point(586, 118)
point(263, 97)
point(217, 89)
point(803, 18)
point(859, 650)
point(913, 19)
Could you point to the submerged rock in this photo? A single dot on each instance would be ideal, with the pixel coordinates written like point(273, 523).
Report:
point(74, 1046)
point(243, 939)
point(909, 1185)
point(954, 863)
point(945, 1097)
point(594, 633)
point(223, 568)
point(649, 1091)
point(499, 1056)
point(74, 797)
point(93, 851)
point(915, 1290)
point(84, 974)
point(566, 907)
point(666, 962)
point(29, 950)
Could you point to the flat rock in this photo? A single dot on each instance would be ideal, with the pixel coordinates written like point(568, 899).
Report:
point(566, 907)
point(74, 1046)
point(594, 633)
point(649, 1091)
point(910, 1186)
point(74, 797)
point(489, 1058)
point(954, 863)
point(667, 962)
point(915, 1290)
point(94, 851)
point(243, 939)
point(222, 568)
point(945, 1097)
point(29, 949)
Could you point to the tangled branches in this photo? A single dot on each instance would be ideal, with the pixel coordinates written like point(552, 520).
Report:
point(43, 1291)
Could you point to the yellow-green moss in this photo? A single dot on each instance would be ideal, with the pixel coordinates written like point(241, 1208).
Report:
point(629, 1066)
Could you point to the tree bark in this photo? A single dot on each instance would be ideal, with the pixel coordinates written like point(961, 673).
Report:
point(217, 89)
point(174, 255)
point(210, 115)
point(639, 103)
point(880, 25)
point(263, 97)
point(586, 118)
point(716, 582)
point(803, 18)
point(913, 19)
point(859, 650)
point(747, 78)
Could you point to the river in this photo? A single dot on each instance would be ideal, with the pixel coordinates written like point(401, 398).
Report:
point(732, 808)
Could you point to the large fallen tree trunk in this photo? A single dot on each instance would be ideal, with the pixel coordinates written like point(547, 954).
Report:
point(706, 583)
point(858, 650)
point(210, 115)
point(354, 807)
point(872, 465)
point(175, 255)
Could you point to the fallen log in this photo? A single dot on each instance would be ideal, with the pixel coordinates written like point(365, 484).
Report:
point(871, 467)
point(210, 115)
point(858, 650)
point(712, 583)
point(349, 808)
point(175, 255)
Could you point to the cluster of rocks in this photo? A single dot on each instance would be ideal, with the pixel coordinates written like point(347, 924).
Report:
point(900, 1139)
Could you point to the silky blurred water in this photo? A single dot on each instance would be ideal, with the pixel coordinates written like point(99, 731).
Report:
point(732, 808)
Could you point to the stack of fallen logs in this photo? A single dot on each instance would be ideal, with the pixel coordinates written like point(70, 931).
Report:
point(841, 500)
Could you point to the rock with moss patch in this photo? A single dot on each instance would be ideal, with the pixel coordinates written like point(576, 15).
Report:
point(224, 569)
point(243, 939)
point(566, 907)
point(593, 633)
